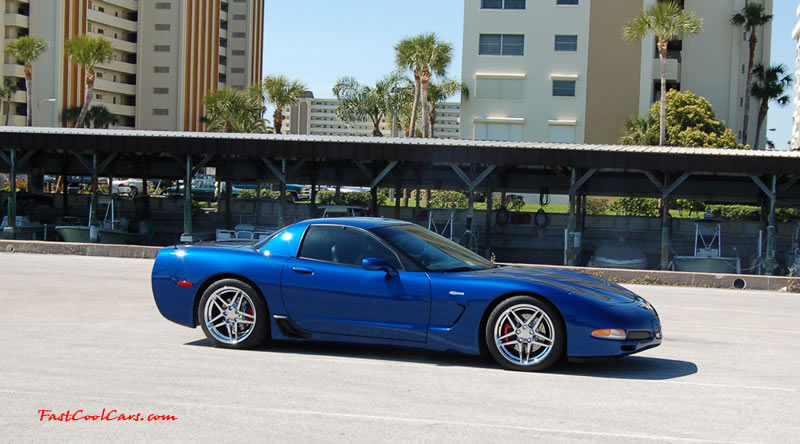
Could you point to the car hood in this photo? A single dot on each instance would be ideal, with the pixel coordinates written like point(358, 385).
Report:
point(576, 283)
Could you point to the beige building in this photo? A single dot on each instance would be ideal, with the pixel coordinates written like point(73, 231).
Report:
point(560, 71)
point(318, 117)
point(796, 116)
point(168, 54)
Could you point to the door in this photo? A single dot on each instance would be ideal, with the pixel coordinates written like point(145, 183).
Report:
point(325, 289)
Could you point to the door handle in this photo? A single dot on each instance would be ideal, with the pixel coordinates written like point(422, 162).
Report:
point(304, 270)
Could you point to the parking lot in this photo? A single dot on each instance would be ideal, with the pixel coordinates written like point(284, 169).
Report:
point(83, 333)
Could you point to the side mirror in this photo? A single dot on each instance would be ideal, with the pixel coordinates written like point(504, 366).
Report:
point(375, 264)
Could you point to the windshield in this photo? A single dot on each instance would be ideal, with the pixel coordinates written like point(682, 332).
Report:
point(433, 252)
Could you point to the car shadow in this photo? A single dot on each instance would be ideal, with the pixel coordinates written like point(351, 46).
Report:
point(631, 367)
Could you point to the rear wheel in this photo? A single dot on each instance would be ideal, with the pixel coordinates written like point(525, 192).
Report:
point(525, 333)
point(233, 315)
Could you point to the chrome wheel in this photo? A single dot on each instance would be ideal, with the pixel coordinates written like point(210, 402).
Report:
point(229, 315)
point(524, 334)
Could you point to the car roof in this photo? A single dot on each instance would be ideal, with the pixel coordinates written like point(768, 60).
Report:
point(365, 223)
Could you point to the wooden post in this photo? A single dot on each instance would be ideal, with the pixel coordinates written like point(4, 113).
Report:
point(489, 203)
point(228, 196)
point(571, 220)
point(665, 226)
point(771, 264)
point(312, 204)
point(397, 194)
point(282, 211)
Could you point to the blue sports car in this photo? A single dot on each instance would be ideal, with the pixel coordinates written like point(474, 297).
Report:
point(381, 281)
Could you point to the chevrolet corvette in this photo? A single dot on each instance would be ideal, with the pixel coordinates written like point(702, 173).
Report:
point(387, 282)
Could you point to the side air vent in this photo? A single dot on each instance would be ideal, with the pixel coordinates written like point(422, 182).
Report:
point(289, 328)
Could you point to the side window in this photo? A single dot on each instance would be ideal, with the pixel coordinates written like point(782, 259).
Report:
point(344, 246)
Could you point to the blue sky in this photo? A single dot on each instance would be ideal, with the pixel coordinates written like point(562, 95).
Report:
point(318, 41)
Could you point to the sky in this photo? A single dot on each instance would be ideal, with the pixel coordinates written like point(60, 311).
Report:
point(318, 41)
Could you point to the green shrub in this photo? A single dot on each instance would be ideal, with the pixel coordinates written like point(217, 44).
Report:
point(449, 199)
point(688, 206)
point(246, 194)
point(635, 206)
point(735, 212)
point(597, 205)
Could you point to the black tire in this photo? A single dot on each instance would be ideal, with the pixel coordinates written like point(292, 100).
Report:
point(520, 341)
point(251, 304)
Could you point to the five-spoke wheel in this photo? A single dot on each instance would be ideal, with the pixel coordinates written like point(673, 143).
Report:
point(233, 315)
point(525, 333)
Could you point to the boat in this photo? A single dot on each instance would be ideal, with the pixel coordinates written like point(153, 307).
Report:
point(244, 232)
point(618, 255)
point(26, 229)
point(707, 256)
point(109, 231)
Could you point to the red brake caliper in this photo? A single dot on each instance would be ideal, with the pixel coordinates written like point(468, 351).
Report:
point(507, 328)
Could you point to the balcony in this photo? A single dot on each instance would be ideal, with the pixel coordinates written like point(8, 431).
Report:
point(121, 45)
point(18, 20)
point(110, 20)
point(122, 110)
point(128, 68)
point(673, 69)
point(19, 97)
point(13, 70)
point(127, 4)
point(114, 87)
point(222, 69)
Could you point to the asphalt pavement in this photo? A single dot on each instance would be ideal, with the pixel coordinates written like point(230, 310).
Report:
point(83, 333)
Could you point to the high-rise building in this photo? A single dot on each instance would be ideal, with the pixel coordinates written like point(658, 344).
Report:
point(318, 117)
point(560, 70)
point(168, 54)
point(796, 116)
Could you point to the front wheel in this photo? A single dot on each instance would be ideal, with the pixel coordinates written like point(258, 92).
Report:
point(525, 333)
point(233, 315)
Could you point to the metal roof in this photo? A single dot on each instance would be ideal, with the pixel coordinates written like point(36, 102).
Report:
point(712, 160)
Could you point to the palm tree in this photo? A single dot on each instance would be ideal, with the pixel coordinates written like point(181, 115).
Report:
point(637, 131)
point(26, 50)
point(667, 21)
point(232, 110)
point(70, 115)
point(771, 84)
point(358, 103)
point(439, 91)
point(750, 17)
point(424, 55)
point(101, 117)
point(88, 52)
point(6, 91)
point(282, 93)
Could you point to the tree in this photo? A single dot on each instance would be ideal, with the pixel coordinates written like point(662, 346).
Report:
point(358, 103)
point(690, 122)
point(750, 18)
point(27, 50)
point(770, 85)
point(425, 55)
point(6, 91)
point(667, 21)
point(637, 130)
point(282, 93)
point(70, 115)
point(101, 117)
point(88, 52)
point(232, 110)
point(439, 91)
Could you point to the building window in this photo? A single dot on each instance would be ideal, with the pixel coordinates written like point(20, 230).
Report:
point(567, 2)
point(98, 96)
point(502, 4)
point(162, 26)
point(238, 35)
point(239, 17)
point(101, 31)
point(160, 111)
point(562, 133)
point(161, 69)
point(566, 43)
point(99, 75)
point(498, 131)
point(238, 52)
point(163, 5)
point(501, 44)
point(101, 9)
point(160, 90)
point(564, 88)
point(237, 70)
point(499, 89)
point(161, 48)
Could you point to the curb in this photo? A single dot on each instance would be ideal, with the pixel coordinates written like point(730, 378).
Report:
point(686, 279)
point(79, 249)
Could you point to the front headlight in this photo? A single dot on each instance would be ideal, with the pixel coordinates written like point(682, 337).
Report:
point(610, 333)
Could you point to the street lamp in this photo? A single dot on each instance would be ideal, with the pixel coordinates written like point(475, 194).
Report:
point(52, 100)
